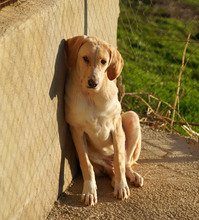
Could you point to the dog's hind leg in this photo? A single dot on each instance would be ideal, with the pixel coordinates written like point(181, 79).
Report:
point(131, 126)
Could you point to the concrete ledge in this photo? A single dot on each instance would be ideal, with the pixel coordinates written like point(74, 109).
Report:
point(37, 154)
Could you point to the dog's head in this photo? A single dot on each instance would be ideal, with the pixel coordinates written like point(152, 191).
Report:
point(94, 59)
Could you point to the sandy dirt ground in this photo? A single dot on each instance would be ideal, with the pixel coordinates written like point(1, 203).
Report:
point(170, 167)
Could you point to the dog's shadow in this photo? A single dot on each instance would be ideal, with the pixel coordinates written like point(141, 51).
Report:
point(72, 196)
point(57, 90)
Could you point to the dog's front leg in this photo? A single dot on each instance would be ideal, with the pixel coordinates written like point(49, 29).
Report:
point(89, 193)
point(121, 189)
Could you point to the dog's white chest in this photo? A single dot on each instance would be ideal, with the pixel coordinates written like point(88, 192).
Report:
point(93, 120)
point(98, 128)
point(96, 121)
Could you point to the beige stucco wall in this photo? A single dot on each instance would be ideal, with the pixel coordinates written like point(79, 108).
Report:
point(37, 157)
point(102, 19)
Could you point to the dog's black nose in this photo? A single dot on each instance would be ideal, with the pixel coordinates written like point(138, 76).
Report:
point(92, 83)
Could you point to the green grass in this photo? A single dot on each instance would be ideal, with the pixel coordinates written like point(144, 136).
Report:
point(151, 42)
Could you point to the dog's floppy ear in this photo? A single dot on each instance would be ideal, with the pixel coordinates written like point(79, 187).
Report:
point(116, 64)
point(72, 48)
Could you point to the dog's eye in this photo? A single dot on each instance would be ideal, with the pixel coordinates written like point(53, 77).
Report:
point(86, 59)
point(103, 61)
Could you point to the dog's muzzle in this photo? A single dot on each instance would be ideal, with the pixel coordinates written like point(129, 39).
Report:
point(92, 83)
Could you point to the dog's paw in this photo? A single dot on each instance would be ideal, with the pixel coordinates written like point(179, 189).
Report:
point(89, 194)
point(135, 178)
point(121, 191)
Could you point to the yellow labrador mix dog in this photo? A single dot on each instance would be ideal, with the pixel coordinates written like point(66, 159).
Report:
point(106, 141)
